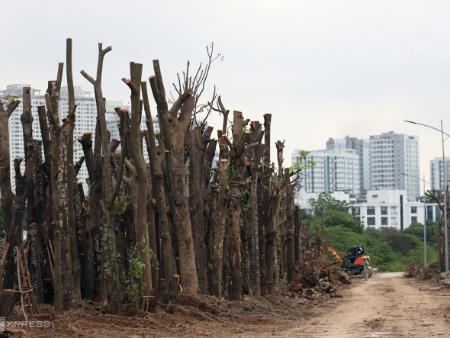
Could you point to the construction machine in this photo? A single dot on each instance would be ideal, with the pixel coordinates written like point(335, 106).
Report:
point(354, 262)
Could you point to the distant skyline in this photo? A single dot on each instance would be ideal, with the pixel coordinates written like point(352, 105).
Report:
point(323, 68)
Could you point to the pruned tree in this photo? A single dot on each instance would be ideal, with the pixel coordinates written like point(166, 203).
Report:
point(189, 221)
point(110, 269)
point(12, 228)
point(220, 195)
point(174, 126)
point(140, 176)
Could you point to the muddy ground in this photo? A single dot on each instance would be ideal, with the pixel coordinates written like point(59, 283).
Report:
point(387, 305)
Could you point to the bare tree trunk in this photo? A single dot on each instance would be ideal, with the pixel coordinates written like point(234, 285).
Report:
point(157, 160)
point(219, 219)
point(58, 188)
point(297, 234)
point(37, 218)
point(111, 274)
point(141, 226)
point(13, 235)
point(271, 245)
point(153, 234)
point(234, 211)
point(234, 207)
point(290, 214)
point(197, 152)
point(254, 155)
point(174, 129)
point(246, 248)
point(88, 209)
point(71, 179)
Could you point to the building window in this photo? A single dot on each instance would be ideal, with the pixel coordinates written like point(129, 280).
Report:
point(370, 210)
point(384, 210)
point(370, 220)
point(413, 210)
point(356, 211)
point(384, 221)
point(414, 220)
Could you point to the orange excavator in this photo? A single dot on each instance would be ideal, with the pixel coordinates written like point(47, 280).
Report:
point(354, 262)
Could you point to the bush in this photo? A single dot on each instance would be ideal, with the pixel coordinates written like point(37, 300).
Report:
point(333, 218)
point(330, 212)
point(432, 229)
point(389, 249)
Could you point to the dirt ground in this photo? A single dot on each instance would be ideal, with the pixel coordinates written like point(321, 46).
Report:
point(386, 305)
point(209, 317)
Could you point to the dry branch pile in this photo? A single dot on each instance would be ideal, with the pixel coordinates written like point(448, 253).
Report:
point(416, 270)
point(315, 275)
point(181, 224)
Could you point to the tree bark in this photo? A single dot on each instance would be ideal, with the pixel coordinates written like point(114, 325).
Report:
point(141, 226)
point(174, 127)
point(157, 156)
point(220, 219)
point(255, 153)
point(198, 142)
point(264, 201)
point(71, 179)
point(290, 214)
point(58, 190)
point(111, 274)
point(13, 235)
point(237, 169)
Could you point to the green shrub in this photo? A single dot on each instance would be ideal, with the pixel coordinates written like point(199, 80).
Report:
point(389, 249)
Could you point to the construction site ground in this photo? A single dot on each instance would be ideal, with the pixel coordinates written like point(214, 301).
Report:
point(386, 305)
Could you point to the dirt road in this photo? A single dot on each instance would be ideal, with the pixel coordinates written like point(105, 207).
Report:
point(386, 305)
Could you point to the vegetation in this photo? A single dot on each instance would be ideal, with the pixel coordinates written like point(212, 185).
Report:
point(432, 231)
point(330, 212)
point(389, 249)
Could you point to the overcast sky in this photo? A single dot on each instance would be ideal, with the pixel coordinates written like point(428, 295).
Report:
point(322, 68)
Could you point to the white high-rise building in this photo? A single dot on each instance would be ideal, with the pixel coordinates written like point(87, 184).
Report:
point(362, 149)
point(394, 163)
point(332, 171)
point(437, 173)
point(86, 114)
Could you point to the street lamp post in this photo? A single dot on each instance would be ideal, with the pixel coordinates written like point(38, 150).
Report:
point(445, 185)
point(425, 263)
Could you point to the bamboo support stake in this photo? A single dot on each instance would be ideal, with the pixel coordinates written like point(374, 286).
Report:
point(20, 286)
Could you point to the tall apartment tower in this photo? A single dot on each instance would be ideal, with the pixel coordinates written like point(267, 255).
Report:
point(86, 115)
point(333, 170)
point(394, 163)
point(437, 173)
point(361, 147)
